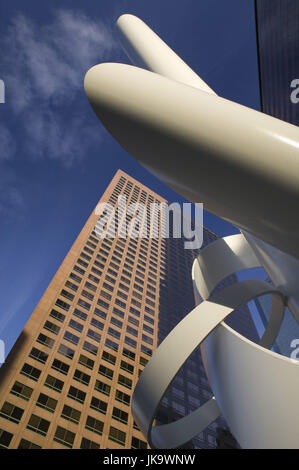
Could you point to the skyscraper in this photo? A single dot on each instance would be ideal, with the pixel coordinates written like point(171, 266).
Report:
point(69, 379)
point(277, 26)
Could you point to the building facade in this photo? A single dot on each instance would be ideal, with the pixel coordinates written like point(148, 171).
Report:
point(69, 379)
point(277, 26)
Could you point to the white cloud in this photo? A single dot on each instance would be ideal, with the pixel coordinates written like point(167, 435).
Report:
point(7, 143)
point(44, 70)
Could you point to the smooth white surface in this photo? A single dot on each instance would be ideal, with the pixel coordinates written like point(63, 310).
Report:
point(232, 155)
point(147, 50)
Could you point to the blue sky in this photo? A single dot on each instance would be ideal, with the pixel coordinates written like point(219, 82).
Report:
point(55, 157)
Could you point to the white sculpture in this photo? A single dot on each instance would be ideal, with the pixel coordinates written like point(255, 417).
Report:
point(244, 166)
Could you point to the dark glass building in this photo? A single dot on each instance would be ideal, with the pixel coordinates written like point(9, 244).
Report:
point(277, 26)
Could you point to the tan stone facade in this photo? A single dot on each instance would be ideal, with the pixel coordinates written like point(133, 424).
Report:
point(68, 381)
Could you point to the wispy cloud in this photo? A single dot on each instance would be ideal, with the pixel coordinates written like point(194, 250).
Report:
point(44, 69)
point(11, 200)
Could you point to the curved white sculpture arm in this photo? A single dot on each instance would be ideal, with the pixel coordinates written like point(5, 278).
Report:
point(169, 358)
point(198, 144)
point(148, 51)
point(193, 330)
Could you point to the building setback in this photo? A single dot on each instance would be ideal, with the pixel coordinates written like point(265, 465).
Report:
point(69, 379)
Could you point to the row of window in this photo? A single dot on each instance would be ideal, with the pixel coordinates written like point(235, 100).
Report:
point(67, 438)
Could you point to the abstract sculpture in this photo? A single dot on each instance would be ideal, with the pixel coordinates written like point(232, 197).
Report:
point(244, 166)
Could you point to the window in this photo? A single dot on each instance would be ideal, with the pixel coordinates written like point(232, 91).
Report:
point(88, 444)
point(66, 351)
point(120, 303)
point(116, 435)
point(76, 325)
point(96, 271)
point(116, 322)
point(143, 361)
point(120, 415)
point(146, 350)
point(129, 354)
point(135, 311)
point(60, 303)
point(52, 327)
point(5, 439)
point(81, 377)
point(68, 336)
point(79, 270)
point(127, 367)
point(11, 412)
point(71, 414)
point(94, 335)
point(57, 315)
point(130, 342)
point(102, 387)
point(122, 397)
point(138, 444)
point(31, 372)
point(114, 333)
point(38, 425)
point(149, 319)
point(132, 331)
point(54, 383)
point(87, 294)
point(100, 313)
point(133, 320)
point(78, 313)
point(45, 340)
point(90, 348)
point(24, 444)
point(94, 425)
point(118, 312)
point(21, 390)
point(85, 256)
point(60, 366)
point(106, 372)
point(84, 304)
point(105, 295)
point(111, 344)
point(85, 361)
point(98, 405)
point(108, 287)
point(122, 380)
point(65, 437)
point(75, 277)
point(98, 324)
point(148, 329)
point(38, 355)
point(108, 357)
point(147, 339)
point(67, 294)
point(94, 279)
point(103, 304)
point(71, 285)
point(46, 402)
point(76, 394)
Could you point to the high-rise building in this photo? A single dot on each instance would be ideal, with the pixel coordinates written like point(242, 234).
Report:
point(69, 379)
point(277, 26)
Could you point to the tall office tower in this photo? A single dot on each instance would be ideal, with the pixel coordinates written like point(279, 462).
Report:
point(69, 379)
point(277, 25)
